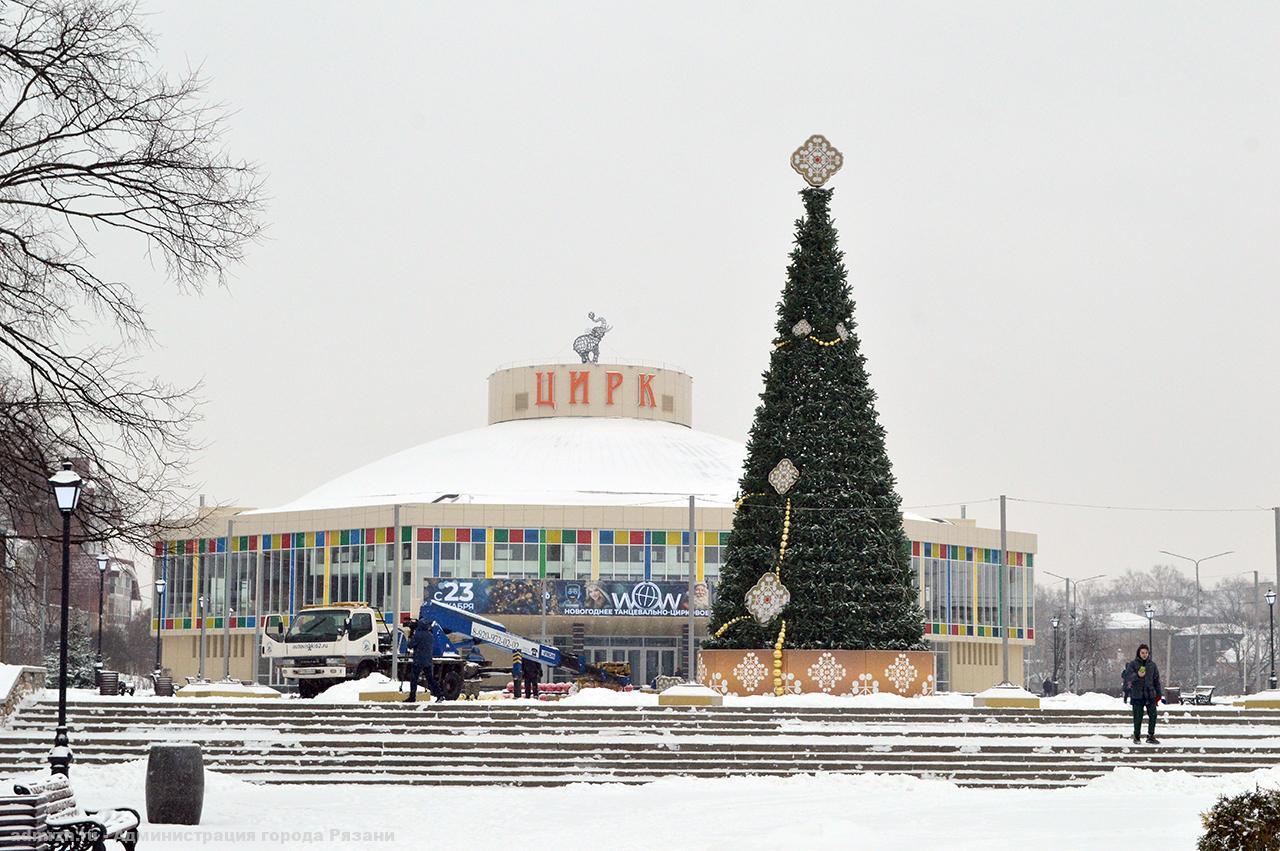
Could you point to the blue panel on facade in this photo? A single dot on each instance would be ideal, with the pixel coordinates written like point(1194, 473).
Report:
point(648, 556)
point(435, 556)
point(477, 536)
point(606, 536)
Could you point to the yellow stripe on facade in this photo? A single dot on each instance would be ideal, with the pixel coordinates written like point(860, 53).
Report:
point(700, 549)
point(328, 559)
point(488, 554)
point(595, 554)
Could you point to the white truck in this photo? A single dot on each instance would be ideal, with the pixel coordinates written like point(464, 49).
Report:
point(328, 644)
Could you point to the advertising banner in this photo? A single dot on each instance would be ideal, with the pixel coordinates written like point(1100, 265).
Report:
point(572, 597)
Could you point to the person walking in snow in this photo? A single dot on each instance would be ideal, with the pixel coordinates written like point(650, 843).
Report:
point(422, 643)
point(1142, 683)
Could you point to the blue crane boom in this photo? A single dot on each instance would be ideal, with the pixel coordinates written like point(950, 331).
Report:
point(481, 630)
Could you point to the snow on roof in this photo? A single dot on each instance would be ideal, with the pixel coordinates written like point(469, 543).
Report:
point(1219, 629)
point(554, 461)
point(1128, 620)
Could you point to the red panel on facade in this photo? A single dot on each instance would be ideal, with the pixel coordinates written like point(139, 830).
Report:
point(517, 537)
point(636, 538)
point(464, 537)
point(425, 535)
point(584, 537)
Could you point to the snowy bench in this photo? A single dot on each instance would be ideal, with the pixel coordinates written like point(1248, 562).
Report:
point(1202, 696)
point(50, 807)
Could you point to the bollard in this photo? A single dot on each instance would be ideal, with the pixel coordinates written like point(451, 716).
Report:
point(175, 783)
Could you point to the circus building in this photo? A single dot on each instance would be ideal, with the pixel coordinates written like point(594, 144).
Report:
point(565, 516)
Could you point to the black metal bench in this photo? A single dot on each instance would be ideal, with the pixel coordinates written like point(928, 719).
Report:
point(50, 806)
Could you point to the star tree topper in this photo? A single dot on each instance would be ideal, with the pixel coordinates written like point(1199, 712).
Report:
point(816, 160)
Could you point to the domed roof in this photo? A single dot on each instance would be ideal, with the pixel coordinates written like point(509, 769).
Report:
point(555, 461)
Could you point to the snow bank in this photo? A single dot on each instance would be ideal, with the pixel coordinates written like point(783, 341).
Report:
point(608, 697)
point(884, 812)
point(349, 691)
point(8, 676)
point(1088, 700)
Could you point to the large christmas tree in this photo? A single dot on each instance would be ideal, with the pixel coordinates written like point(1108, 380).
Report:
point(819, 544)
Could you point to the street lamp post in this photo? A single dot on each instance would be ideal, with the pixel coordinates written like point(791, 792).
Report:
point(1199, 620)
point(1150, 612)
point(1054, 622)
point(160, 585)
point(66, 486)
point(1271, 633)
point(1071, 613)
point(103, 561)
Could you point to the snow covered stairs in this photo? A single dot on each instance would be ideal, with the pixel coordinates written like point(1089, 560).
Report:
point(489, 743)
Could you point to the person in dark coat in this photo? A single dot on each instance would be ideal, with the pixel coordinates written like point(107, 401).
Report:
point(1142, 683)
point(531, 673)
point(422, 644)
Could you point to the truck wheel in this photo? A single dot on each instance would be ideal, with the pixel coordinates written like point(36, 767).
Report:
point(308, 689)
point(451, 685)
point(364, 669)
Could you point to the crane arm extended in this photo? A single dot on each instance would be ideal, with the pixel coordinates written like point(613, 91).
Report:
point(483, 630)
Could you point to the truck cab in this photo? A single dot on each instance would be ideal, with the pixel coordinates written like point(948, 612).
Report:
point(328, 644)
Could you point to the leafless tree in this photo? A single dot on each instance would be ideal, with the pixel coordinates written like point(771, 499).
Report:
point(95, 141)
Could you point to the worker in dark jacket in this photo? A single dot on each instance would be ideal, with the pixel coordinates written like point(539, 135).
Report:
point(1142, 682)
point(422, 644)
point(517, 674)
point(531, 672)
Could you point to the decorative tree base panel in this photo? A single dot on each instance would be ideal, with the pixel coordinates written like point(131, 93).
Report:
point(745, 672)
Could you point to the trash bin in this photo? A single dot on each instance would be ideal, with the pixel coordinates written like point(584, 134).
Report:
point(175, 783)
point(109, 683)
point(164, 686)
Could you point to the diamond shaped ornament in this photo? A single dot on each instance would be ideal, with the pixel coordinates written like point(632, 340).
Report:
point(816, 160)
point(767, 598)
point(784, 476)
point(842, 332)
point(802, 328)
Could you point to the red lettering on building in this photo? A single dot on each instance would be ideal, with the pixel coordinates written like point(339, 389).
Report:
point(646, 390)
point(612, 383)
point(578, 381)
point(549, 399)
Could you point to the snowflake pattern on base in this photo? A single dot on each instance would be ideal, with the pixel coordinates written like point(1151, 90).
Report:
point(718, 683)
point(865, 684)
point(928, 686)
point(750, 671)
point(827, 672)
point(901, 673)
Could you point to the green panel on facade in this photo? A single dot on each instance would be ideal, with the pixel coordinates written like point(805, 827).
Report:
point(542, 558)
point(659, 539)
point(344, 537)
point(542, 537)
point(568, 536)
point(1031, 559)
point(186, 623)
point(406, 534)
point(500, 536)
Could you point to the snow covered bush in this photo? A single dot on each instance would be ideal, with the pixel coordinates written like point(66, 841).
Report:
point(1247, 822)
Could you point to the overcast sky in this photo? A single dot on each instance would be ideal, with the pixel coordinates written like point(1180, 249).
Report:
point(1060, 222)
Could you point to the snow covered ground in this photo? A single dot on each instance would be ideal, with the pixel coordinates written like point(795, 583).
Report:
point(1155, 810)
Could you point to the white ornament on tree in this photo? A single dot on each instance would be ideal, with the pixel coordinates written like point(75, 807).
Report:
point(802, 328)
point(784, 476)
point(767, 598)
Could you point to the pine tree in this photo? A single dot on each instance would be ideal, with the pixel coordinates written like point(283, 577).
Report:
point(847, 563)
point(81, 655)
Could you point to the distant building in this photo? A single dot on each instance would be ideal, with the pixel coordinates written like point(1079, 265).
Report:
point(578, 487)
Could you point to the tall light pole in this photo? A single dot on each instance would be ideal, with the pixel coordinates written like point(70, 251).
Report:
point(1054, 622)
point(103, 561)
point(1271, 633)
point(66, 486)
point(1071, 612)
point(160, 585)
point(1199, 620)
point(1150, 611)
